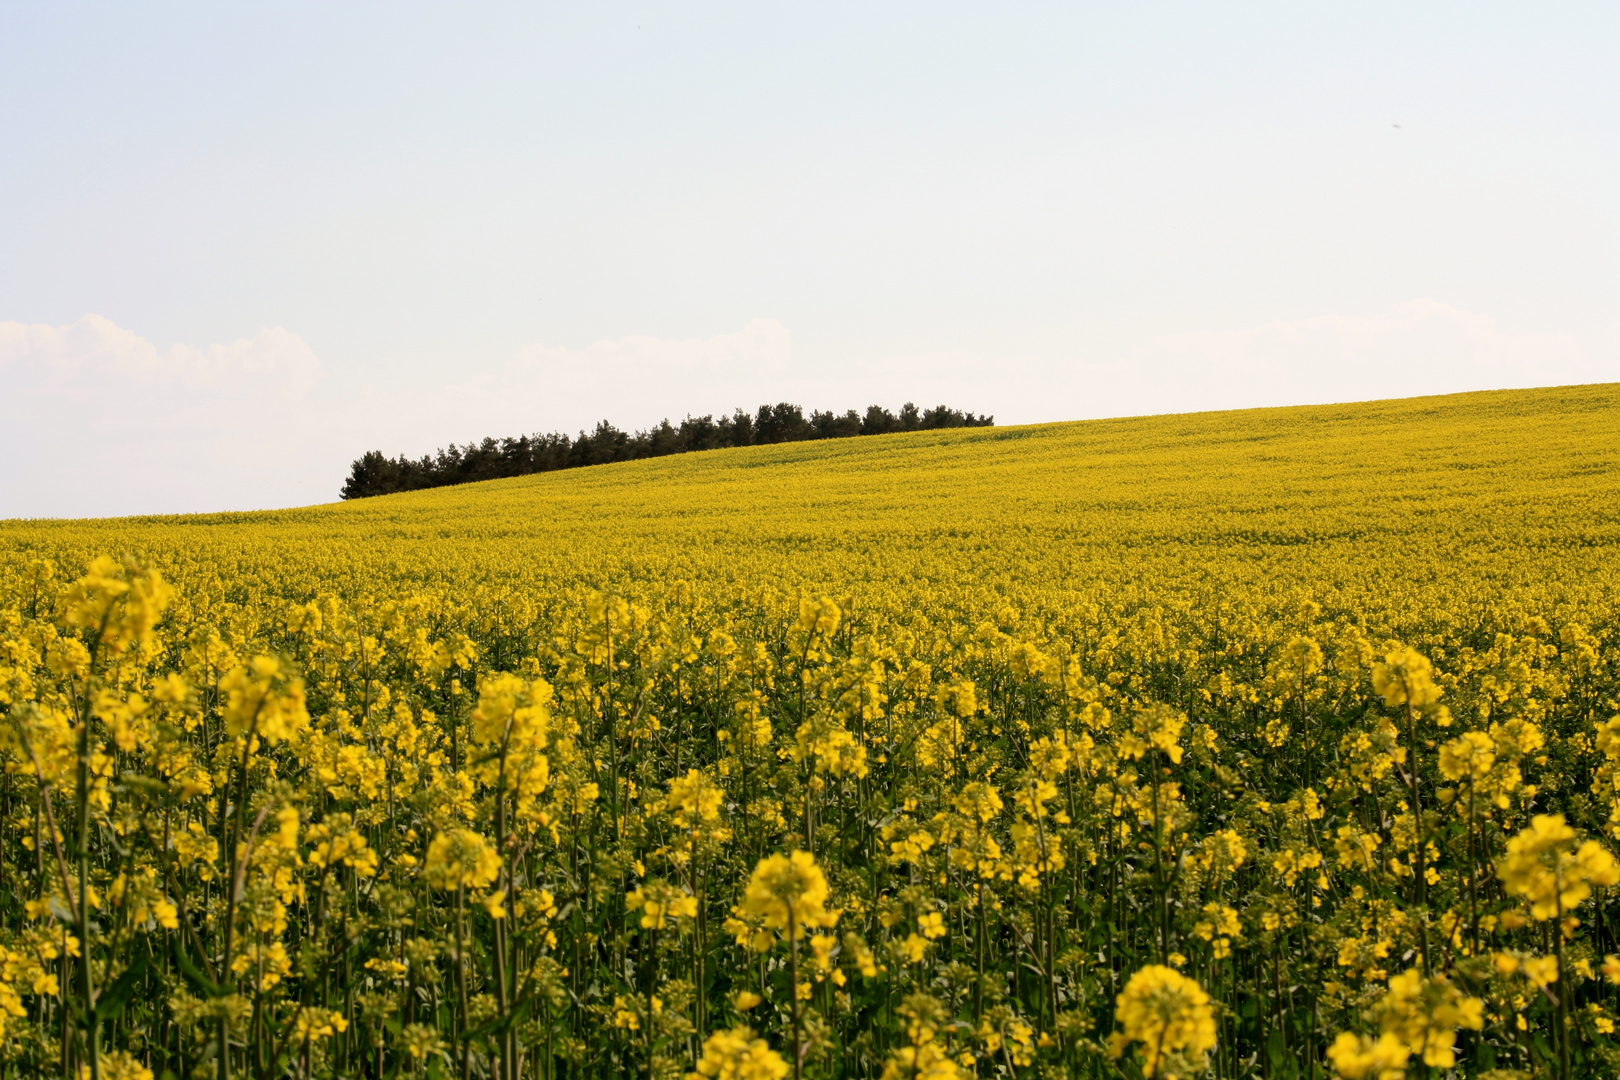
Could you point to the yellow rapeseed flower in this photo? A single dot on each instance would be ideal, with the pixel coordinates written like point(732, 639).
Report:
point(789, 894)
point(1543, 865)
point(1169, 1017)
point(461, 857)
point(1361, 1057)
point(738, 1055)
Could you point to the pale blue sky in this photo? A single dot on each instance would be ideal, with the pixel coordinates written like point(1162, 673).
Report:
point(306, 230)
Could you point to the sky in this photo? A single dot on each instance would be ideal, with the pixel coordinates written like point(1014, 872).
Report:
point(242, 244)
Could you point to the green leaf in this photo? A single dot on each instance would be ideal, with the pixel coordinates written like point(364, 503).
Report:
point(112, 1000)
point(194, 974)
point(500, 1024)
point(149, 786)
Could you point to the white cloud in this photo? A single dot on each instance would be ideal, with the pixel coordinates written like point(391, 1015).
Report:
point(96, 348)
point(101, 421)
point(105, 422)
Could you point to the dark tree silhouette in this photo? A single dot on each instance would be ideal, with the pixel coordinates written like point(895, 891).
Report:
point(375, 474)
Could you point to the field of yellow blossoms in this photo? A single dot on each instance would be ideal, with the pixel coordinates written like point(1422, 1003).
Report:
point(1279, 743)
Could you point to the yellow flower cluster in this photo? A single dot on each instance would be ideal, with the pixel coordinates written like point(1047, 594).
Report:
point(1543, 865)
point(788, 894)
point(737, 1055)
point(1169, 1018)
point(461, 858)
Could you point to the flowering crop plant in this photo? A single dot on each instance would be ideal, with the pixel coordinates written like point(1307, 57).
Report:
point(1282, 743)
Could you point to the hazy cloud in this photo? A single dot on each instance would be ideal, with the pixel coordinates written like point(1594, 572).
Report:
point(95, 350)
point(98, 420)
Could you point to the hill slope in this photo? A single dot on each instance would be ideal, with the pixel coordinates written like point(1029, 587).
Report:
point(1432, 489)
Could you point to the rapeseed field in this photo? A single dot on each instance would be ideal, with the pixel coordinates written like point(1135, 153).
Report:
point(1279, 743)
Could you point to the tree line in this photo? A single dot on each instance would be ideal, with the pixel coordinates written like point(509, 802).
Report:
point(375, 474)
